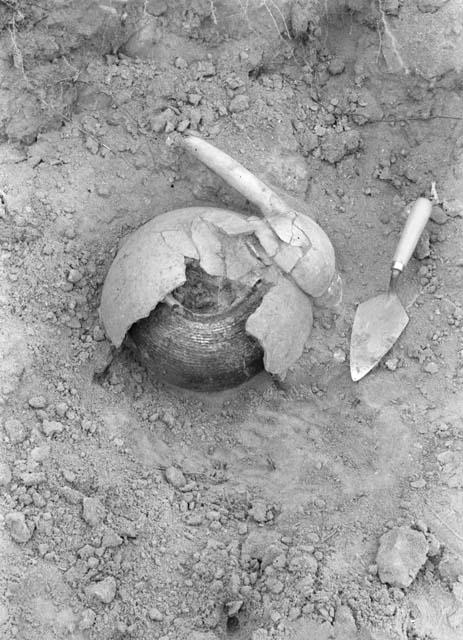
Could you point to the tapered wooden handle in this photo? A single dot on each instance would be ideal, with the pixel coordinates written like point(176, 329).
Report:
point(414, 227)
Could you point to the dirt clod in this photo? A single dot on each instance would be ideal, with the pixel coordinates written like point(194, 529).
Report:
point(175, 477)
point(103, 591)
point(5, 474)
point(15, 523)
point(430, 6)
point(87, 619)
point(93, 511)
point(402, 553)
point(239, 103)
point(38, 402)
point(16, 430)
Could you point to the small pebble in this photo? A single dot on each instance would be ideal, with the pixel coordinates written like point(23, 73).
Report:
point(239, 103)
point(69, 476)
point(93, 511)
point(5, 474)
point(194, 99)
point(418, 484)
point(431, 367)
point(111, 539)
point(87, 619)
point(155, 614)
point(98, 333)
point(15, 523)
point(38, 402)
point(16, 431)
point(104, 590)
point(401, 554)
point(183, 126)
point(50, 427)
point(392, 364)
point(438, 215)
point(274, 585)
point(39, 454)
point(175, 477)
point(434, 545)
point(180, 63)
point(103, 191)
point(258, 511)
point(74, 276)
point(4, 614)
point(336, 66)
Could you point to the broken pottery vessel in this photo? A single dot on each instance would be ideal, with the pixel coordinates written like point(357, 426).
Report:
point(207, 297)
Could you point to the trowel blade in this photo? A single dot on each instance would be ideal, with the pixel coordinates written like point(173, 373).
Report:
point(378, 323)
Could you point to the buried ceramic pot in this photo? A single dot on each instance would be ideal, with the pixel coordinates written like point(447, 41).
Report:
point(207, 297)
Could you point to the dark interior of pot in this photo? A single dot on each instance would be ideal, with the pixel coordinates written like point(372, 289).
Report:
point(202, 343)
point(208, 295)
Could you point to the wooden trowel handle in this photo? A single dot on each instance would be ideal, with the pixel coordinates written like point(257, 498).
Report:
point(416, 222)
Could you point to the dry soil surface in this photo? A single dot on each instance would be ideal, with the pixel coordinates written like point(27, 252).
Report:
point(325, 510)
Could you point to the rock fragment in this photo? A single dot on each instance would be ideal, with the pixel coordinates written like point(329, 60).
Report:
point(203, 635)
point(401, 554)
point(93, 511)
point(38, 402)
point(239, 103)
point(15, 522)
point(301, 14)
point(430, 6)
point(438, 215)
point(5, 474)
point(156, 7)
point(39, 454)
point(308, 141)
point(16, 431)
point(431, 368)
point(423, 248)
point(32, 478)
point(4, 614)
point(74, 276)
point(175, 477)
point(336, 66)
point(335, 146)
point(155, 614)
point(87, 619)
point(51, 427)
point(258, 511)
point(103, 591)
point(391, 7)
point(111, 539)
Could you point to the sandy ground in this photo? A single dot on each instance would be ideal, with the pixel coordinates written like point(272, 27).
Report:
point(129, 509)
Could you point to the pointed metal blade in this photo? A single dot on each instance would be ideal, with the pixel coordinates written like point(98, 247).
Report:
point(378, 323)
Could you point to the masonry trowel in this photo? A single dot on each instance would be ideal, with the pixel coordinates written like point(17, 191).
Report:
point(379, 321)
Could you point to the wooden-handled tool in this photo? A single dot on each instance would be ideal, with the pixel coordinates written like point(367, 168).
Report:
point(379, 321)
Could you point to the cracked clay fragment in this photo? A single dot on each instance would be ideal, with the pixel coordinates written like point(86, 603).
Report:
point(283, 226)
point(315, 270)
point(299, 238)
point(282, 324)
point(180, 241)
point(230, 222)
point(239, 261)
point(144, 271)
point(288, 257)
point(207, 241)
point(267, 238)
